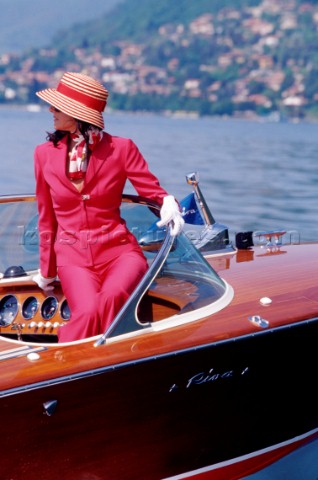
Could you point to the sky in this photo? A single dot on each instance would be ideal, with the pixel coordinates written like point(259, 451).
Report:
point(32, 23)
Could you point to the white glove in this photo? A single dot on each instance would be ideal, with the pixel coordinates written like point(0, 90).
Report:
point(170, 213)
point(43, 282)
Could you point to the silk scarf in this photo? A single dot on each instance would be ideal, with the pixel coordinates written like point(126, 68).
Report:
point(79, 154)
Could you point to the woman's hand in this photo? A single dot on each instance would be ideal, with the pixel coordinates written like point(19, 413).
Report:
point(170, 212)
point(43, 282)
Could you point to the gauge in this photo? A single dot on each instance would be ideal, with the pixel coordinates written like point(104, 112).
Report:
point(30, 307)
point(49, 307)
point(8, 310)
point(65, 310)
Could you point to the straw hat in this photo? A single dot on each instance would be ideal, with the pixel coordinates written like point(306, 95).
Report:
point(79, 96)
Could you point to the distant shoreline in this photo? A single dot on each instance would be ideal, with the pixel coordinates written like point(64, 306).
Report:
point(248, 116)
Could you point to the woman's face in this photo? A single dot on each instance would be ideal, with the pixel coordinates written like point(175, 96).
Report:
point(63, 121)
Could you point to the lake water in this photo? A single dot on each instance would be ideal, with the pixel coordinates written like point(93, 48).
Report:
point(253, 175)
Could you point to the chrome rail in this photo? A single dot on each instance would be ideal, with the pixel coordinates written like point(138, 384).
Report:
point(123, 322)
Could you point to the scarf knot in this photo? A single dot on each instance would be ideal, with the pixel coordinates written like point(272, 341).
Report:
point(79, 154)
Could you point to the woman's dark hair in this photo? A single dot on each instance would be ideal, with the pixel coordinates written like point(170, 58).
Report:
point(83, 127)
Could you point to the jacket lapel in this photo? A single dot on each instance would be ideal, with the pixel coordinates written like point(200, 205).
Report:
point(58, 164)
point(98, 158)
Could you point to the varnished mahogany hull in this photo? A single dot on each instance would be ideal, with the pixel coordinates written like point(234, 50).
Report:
point(168, 415)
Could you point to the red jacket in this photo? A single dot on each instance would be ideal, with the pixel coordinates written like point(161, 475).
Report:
point(75, 227)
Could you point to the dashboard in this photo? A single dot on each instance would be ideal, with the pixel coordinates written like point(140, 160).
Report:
point(29, 311)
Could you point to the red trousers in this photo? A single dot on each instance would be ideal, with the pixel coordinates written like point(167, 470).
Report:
point(96, 294)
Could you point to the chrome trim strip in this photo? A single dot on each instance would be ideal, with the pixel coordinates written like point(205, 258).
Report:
point(19, 352)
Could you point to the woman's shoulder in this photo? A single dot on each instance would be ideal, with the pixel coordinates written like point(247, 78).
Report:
point(117, 140)
point(49, 144)
point(43, 146)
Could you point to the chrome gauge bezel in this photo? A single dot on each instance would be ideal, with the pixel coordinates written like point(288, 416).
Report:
point(65, 311)
point(30, 307)
point(51, 302)
point(7, 309)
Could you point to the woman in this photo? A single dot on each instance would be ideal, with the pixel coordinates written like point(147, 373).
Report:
point(80, 175)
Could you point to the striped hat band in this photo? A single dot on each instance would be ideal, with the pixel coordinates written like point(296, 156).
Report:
point(79, 96)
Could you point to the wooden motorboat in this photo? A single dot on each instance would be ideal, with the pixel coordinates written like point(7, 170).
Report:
point(206, 373)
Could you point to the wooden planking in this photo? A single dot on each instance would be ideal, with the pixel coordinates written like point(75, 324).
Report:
point(293, 290)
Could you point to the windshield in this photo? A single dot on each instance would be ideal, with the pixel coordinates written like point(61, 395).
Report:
point(18, 233)
point(179, 280)
point(175, 294)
